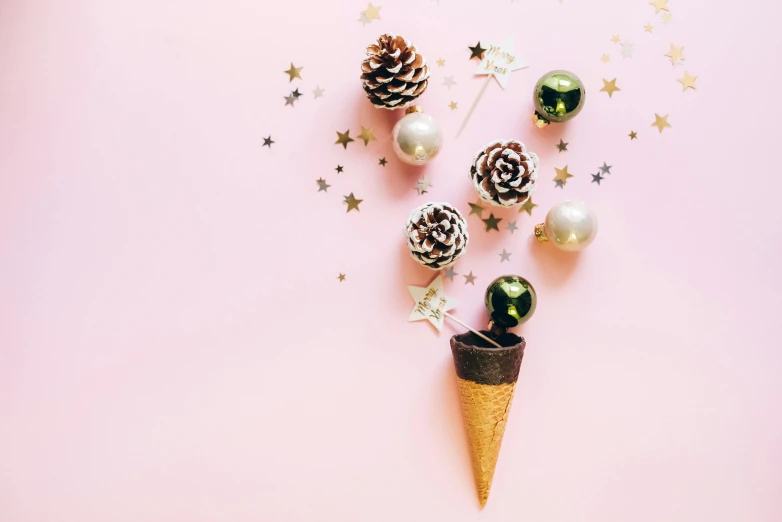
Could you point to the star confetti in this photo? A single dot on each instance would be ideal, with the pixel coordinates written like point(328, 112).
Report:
point(440, 62)
point(294, 72)
point(295, 93)
point(477, 51)
point(469, 278)
point(382, 162)
point(423, 185)
point(627, 49)
point(318, 92)
point(615, 38)
point(676, 54)
point(367, 135)
point(290, 100)
point(449, 273)
point(562, 175)
point(449, 82)
point(431, 303)
point(666, 18)
point(491, 222)
point(687, 81)
point(352, 202)
point(267, 142)
point(372, 12)
point(605, 58)
point(633, 135)
point(660, 122)
point(648, 28)
point(504, 256)
point(341, 277)
point(659, 5)
point(476, 208)
point(452, 105)
point(527, 206)
point(339, 169)
point(609, 87)
point(558, 183)
point(605, 169)
point(512, 227)
point(562, 146)
point(343, 138)
point(597, 178)
point(322, 185)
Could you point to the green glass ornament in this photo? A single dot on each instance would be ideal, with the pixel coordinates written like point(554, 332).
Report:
point(558, 97)
point(510, 300)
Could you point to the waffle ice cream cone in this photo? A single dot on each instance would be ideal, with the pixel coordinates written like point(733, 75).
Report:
point(487, 378)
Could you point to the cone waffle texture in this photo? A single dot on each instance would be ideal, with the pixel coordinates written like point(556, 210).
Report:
point(394, 73)
point(485, 408)
point(487, 379)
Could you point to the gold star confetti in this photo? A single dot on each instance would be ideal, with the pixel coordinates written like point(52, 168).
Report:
point(633, 135)
point(687, 81)
point(476, 208)
point(605, 58)
point(562, 145)
point(491, 222)
point(267, 142)
point(341, 277)
point(659, 5)
point(660, 122)
point(322, 185)
point(452, 105)
point(649, 28)
point(616, 38)
point(440, 62)
point(676, 54)
point(343, 138)
point(352, 202)
point(382, 162)
point(666, 18)
point(562, 175)
point(527, 206)
point(294, 72)
point(367, 135)
point(610, 87)
point(372, 12)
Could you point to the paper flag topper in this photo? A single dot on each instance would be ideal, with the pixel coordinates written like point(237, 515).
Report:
point(431, 303)
point(499, 61)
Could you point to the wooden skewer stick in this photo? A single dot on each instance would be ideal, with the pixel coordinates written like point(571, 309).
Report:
point(476, 332)
point(474, 104)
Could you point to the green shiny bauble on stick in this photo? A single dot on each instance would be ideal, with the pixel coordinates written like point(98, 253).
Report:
point(510, 300)
point(558, 96)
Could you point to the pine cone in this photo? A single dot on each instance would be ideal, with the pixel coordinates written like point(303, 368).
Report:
point(436, 235)
point(504, 173)
point(394, 73)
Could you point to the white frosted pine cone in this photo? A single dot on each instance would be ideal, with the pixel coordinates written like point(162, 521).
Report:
point(436, 235)
point(394, 73)
point(504, 173)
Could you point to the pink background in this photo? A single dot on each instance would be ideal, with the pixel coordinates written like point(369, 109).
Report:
point(175, 345)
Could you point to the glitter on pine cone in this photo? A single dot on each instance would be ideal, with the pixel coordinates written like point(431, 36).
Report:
point(436, 235)
point(504, 173)
point(394, 73)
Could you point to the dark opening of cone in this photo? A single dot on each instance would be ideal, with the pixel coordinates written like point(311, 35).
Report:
point(478, 361)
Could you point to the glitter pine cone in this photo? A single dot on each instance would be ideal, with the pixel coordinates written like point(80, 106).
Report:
point(436, 235)
point(394, 73)
point(504, 173)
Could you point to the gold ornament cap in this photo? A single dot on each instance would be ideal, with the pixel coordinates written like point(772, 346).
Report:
point(540, 232)
point(538, 121)
point(414, 108)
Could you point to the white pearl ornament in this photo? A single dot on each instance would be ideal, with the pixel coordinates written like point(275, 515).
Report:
point(417, 137)
point(570, 226)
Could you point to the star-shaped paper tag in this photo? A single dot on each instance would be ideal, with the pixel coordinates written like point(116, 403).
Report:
point(431, 303)
point(500, 61)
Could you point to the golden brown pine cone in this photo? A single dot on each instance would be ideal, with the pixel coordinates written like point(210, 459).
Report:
point(436, 235)
point(394, 73)
point(504, 173)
